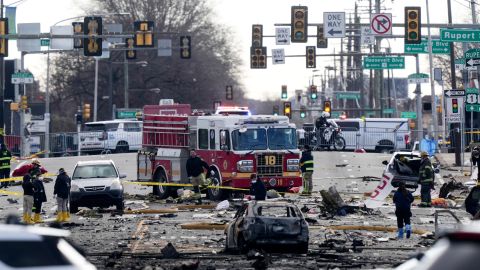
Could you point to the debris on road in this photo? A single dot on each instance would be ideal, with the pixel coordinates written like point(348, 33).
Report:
point(169, 252)
point(204, 226)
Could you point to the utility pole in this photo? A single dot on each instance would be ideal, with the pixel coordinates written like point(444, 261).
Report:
point(418, 96)
point(125, 81)
point(432, 81)
point(2, 86)
point(378, 91)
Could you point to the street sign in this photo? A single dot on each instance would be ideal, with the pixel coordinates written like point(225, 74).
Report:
point(61, 43)
point(282, 35)
point(164, 47)
point(418, 78)
point(334, 24)
point(28, 45)
point(45, 42)
point(366, 37)
point(335, 114)
point(126, 114)
point(348, 95)
point(278, 56)
point(460, 35)
point(454, 93)
point(472, 100)
point(388, 110)
point(472, 58)
point(381, 23)
point(22, 77)
point(472, 108)
point(379, 62)
point(460, 63)
point(438, 47)
point(454, 109)
point(410, 115)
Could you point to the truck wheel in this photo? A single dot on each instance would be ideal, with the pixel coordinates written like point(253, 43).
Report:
point(122, 147)
point(161, 191)
point(216, 194)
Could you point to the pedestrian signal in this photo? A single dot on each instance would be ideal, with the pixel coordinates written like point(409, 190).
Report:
point(130, 53)
point(77, 30)
point(92, 46)
point(185, 47)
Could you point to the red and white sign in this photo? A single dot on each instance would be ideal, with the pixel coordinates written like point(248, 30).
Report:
point(381, 24)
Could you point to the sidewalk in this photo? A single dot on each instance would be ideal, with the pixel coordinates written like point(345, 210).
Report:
point(447, 160)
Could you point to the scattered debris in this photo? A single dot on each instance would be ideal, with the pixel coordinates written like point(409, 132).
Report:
point(372, 228)
point(169, 252)
point(12, 201)
point(272, 194)
point(91, 213)
point(223, 205)
point(152, 211)
point(204, 226)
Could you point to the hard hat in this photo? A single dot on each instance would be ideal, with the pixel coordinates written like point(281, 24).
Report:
point(36, 161)
point(326, 114)
point(424, 154)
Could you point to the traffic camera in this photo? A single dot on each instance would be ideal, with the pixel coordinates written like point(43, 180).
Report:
point(299, 24)
point(322, 41)
point(3, 41)
point(257, 35)
point(86, 111)
point(313, 92)
point(303, 112)
point(287, 109)
point(229, 92)
point(92, 46)
point(327, 106)
point(413, 25)
point(130, 53)
point(258, 57)
point(311, 57)
point(185, 47)
point(284, 92)
point(143, 33)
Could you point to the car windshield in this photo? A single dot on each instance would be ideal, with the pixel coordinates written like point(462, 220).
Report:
point(94, 171)
point(282, 138)
point(251, 139)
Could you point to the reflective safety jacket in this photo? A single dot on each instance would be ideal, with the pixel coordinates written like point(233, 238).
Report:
point(5, 157)
point(426, 172)
point(306, 162)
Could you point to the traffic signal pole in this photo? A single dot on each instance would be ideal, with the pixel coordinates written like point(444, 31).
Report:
point(418, 95)
point(2, 86)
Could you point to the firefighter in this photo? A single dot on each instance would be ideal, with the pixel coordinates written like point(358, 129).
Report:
point(5, 157)
point(27, 186)
point(257, 188)
point(61, 191)
point(306, 166)
point(195, 166)
point(403, 200)
point(426, 180)
point(39, 196)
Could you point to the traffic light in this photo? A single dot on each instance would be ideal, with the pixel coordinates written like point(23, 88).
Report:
point(299, 24)
point(86, 111)
point(258, 57)
point(3, 41)
point(327, 106)
point(276, 110)
point(454, 105)
point(322, 41)
point(284, 92)
point(257, 35)
point(311, 57)
point(303, 112)
point(78, 118)
point(313, 92)
point(413, 25)
point(185, 47)
point(143, 33)
point(229, 92)
point(427, 106)
point(287, 109)
point(92, 46)
point(77, 30)
point(131, 53)
point(24, 103)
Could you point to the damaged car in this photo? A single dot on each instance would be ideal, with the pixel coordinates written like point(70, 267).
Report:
point(269, 225)
point(404, 167)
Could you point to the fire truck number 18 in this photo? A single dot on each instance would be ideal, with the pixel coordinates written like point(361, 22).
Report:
point(270, 160)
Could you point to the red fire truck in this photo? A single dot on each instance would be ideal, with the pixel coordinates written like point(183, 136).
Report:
point(235, 146)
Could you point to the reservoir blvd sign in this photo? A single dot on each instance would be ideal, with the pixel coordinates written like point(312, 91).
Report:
point(380, 62)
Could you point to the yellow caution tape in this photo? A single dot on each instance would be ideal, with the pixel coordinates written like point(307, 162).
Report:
point(180, 185)
point(14, 193)
point(20, 178)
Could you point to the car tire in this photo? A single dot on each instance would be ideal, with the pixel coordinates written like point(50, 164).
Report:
point(73, 207)
point(162, 192)
point(242, 245)
point(302, 248)
point(122, 147)
point(216, 194)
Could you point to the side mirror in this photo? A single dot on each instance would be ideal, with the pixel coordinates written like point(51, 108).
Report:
point(385, 162)
point(122, 175)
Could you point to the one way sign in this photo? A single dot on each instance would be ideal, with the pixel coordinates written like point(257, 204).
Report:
point(472, 62)
point(334, 24)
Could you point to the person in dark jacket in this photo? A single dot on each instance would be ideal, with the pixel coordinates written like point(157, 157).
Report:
point(426, 178)
point(472, 202)
point(475, 159)
point(403, 200)
point(62, 192)
point(195, 173)
point(39, 196)
point(257, 188)
point(306, 166)
point(27, 186)
point(5, 157)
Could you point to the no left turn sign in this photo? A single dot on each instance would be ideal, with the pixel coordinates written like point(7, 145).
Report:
point(381, 24)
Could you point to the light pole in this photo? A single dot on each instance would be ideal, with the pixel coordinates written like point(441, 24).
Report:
point(432, 82)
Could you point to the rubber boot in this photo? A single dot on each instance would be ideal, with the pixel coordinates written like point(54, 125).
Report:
point(408, 230)
point(59, 216)
point(400, 233)
point(65, 216)
point(37, 218)
point(28, 219)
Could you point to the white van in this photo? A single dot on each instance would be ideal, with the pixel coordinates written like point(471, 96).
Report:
point(118, 136)
point(375, 134)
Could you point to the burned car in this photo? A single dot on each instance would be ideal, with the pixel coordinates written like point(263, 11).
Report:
point(404, 167)
point(276, 226)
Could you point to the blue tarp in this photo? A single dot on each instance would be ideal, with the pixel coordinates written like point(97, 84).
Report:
point(429, 146)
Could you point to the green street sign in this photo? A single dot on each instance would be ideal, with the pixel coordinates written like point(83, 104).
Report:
point(335, 114)
point(418, 78)
point(438, 47)
point(22, 77)
point(410, 115)
point(460, 35)
point(472, 108)
point(471, 91)
point(348, 95)
point(370, 113)
point(126, 114)
point(378, 62)
point(45, 42)
point(388, 110)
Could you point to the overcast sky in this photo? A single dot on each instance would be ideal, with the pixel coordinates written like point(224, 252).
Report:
point(239, 15)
